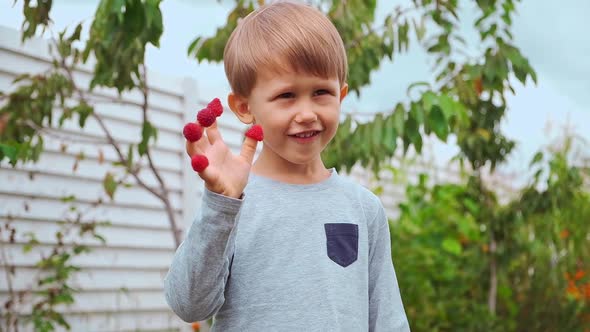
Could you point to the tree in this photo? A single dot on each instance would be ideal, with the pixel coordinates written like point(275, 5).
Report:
point(462, 87)
point(467, 262)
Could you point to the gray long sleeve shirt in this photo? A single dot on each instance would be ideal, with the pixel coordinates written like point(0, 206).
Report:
point(289, 257)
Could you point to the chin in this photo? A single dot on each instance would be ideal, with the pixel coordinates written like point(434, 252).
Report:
point(303, 160)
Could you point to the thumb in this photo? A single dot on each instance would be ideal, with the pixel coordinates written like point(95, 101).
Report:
point(253, 136)
point(249, 149)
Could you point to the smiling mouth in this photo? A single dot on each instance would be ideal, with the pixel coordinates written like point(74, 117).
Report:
point(306, 134)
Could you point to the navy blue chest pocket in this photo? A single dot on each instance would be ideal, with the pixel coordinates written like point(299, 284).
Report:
point(342, 242)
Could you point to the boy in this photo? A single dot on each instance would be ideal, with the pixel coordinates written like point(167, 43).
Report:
point(285, 244)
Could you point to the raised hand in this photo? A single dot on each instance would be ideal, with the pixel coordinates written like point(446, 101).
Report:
point(223, 172)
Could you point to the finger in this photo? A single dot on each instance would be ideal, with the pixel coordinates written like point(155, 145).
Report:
point(193, 148)
point(213, 133)
point(209, 175)
point(249, 149)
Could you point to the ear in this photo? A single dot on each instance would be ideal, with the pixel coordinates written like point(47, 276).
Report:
point(343, 91)
point(239, 105)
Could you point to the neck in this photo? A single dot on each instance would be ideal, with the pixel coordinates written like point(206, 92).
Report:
point(282, 170)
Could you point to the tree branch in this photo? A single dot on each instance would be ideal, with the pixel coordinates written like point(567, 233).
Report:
point(398, 13)
point(165, 192)
point(11, 294)
point(493, 278)
point(493, 291)
point(110, 137)
point(107, 101)
point(144, 108)
point(49, 132)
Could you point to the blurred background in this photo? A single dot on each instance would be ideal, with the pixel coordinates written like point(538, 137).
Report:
point(467, 118)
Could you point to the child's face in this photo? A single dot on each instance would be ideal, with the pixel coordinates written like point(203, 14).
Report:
point(298, 112)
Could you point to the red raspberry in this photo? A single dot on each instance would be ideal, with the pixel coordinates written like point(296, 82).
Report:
point(192, 132)
point(199, 162)
point(215, 107)
point(255, 132)
point(206, 117)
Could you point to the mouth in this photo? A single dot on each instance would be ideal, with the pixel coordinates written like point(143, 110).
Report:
point(305, 136)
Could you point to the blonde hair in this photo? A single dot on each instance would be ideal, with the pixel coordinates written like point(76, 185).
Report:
point(283, 36)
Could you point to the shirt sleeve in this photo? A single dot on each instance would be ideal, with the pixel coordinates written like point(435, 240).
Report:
point(386, 310)
point(195, 283)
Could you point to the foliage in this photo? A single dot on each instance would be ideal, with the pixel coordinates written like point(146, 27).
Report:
point(53, 288)
point(36, 14)
point(466, 97)
point(118, 38)
point(443, 254)
point(438, 247)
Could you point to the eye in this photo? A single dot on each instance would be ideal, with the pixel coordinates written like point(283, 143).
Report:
point(285, 95)
point(321, 92)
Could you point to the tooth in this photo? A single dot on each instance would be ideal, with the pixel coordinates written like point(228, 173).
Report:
point(306, 135)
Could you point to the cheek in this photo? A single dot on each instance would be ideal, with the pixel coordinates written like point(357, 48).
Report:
point(273, 126)
point(331, 115)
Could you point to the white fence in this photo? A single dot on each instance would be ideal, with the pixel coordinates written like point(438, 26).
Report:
point(121, 282)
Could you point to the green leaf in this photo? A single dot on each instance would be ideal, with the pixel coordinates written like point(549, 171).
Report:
point(110, 185)
point(69, 198)
point(79, 249)
point(415, 85)
point(537, 158)
point(471, 206)
point(100, 238)
point(484, 133)
point(399, 119)
point(76, 34)
point(212, 48)
point(452, 246)
point(390, 135)
point(28, 247)
point(147, 132)
point(129, 157)
point(447, 104)
point(377, 130)
point(412, 135)
point(419, 28)
point(429, 99)
point(60, 318)
point(193, 45)
point(83, 110)
point(8, 151)
point(438, 123)
point(417, 113)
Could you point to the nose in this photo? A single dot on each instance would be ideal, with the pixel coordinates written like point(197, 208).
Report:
point(305, 114)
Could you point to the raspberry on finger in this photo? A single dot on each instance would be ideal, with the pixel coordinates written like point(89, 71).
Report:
point(199, 162)
point(206, 117)
point(192, 132)
point(255, 132)
point(215, 107)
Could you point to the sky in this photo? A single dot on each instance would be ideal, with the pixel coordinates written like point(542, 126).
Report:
point(553, 37)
